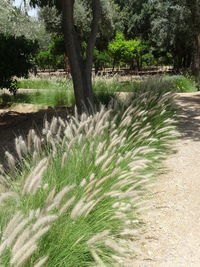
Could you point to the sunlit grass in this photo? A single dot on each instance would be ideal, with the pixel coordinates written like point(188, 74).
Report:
point(59, 92)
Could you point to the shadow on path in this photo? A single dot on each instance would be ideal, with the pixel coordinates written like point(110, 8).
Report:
point(189, 125)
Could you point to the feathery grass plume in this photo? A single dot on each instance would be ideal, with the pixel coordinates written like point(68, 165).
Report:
point(37, 144)
point(115, 247)
point(54, 125)
point(61, 122)
point(43, 221)
point(41, 262)
point(30, 138)
point(34, 179)
point(22, 239)
point(7, 195)
point(85, 210)
point(27, 249)
point(100, 159)
point(98, 237)
point(18, 228)
point(93, 194)
point(18, 147)
point(97, 258)
point(4, 182)
point(64, 208)
point(10, 160)
point(50, 197)
point(104, 179)
point(2, 171)
point(24, 256)
point(59, 197)
point(35, 157)
point(77, 208)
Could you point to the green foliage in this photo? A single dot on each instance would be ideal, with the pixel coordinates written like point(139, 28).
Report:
point(16, 22)
point(54, 92)
point(110, 21)
point(116, 48)
point(130, 52)
point(101, 59)
point(172, 31)
point(182, 83)
point(57, 47)
point(47, 60)
point(53, 58)
point(44, 83)
point(54, 98)
point(16, 54)
point(136, 17)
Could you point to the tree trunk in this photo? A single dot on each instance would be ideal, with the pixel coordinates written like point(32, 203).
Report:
point(113, 64)
point(81, 69)
point(194, 7)
point(196, 61)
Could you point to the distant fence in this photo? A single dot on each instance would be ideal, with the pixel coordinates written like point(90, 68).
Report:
point(159, 70)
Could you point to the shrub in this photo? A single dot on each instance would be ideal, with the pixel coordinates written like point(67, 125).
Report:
point(75, 196)
point(16, 54)
point(132, 52)
point(182, 83)
point(47, 60)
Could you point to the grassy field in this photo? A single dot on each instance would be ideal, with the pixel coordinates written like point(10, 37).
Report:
point(178, 82)
point(74, 195)
point(59, 92)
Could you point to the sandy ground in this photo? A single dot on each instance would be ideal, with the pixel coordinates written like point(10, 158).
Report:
point(172, 231)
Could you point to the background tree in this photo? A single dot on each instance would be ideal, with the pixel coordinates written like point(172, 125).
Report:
point(16, 54)
point(171, 31)
point(81, 23)
point(131, 52)
point(136, 17)
point(194, 7)
point(16, 22)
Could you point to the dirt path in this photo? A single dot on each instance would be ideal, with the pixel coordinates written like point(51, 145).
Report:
point(172, 238)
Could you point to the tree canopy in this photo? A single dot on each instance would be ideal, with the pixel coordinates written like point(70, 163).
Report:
point(128, 33)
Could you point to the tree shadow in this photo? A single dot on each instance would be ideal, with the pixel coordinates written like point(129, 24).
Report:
point(189, 124)
point(13, 124)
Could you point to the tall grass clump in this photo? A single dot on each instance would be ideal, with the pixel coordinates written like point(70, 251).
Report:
point(181, 84)
point(45, 83)
point(113, 84)
point(73, 195)
point(54, 98)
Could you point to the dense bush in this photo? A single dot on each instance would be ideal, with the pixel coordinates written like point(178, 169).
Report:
point(54, 57)
point(75, 196)
point(16, 55)
point(181, 83)
point(131, 52)
point(47, 60)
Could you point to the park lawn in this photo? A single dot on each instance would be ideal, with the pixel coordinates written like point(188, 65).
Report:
point(59, 92)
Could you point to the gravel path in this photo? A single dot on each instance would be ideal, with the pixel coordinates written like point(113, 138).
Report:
point(172, 235)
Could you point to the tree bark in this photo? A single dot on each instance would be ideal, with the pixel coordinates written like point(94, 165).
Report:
point(81, 69)
point(196, 60)
point(194, 7)
point(96, 12)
